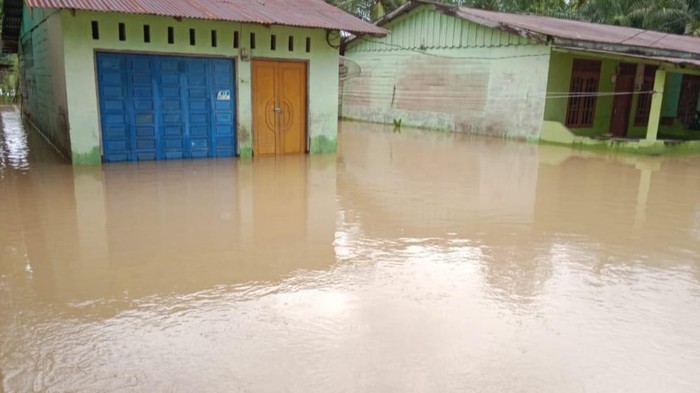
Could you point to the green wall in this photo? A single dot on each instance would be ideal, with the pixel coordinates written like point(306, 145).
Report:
point(559, 82)
point(82, 96)
point(42, 76)
point(437, 71)
point(672, 94)
point(426, 28)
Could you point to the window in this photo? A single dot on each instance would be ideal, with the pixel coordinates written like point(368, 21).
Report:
point(122, 32)
point(273, 42)
point(146, 33)
point(171, 35)
point(252, 40)
point(641, 117)
point(235, 40)
point(688, 102)
point(585, 75)
point(95, 30)
point(290, 44)
point(193, 37)
point(308, 44)
point(214, 42)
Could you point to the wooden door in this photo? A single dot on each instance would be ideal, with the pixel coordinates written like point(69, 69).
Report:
point(279, 107)
point(264, 105)
point(622, 103)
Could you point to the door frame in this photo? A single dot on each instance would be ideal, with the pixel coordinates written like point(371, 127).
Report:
point(96, 78)
point(628, 112)
point(306, 62)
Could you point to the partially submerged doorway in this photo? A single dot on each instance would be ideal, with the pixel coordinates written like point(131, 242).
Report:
point(279, 107)
point(622, 104)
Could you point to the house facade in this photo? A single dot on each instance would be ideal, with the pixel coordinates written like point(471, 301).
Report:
point(525, 77)
point(150, 80)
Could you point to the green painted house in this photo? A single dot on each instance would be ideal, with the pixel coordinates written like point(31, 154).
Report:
point(168, 79)
point(528, 77)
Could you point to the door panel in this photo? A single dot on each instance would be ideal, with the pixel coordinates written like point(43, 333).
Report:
point(622, 103)
point(172, 117)
point(279, 107)
point(293, 105)
point(166, 107)
point(223, 135)
point(264, 104)
point(116, 136)
point(142, 72)
point(198, 108)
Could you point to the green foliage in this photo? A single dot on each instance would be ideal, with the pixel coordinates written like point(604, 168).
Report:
point(671, 16)
point(368, 9)
point(397, 125)
point(9, 79)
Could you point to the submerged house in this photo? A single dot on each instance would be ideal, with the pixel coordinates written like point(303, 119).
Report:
point(167, 79)
point(529, 77)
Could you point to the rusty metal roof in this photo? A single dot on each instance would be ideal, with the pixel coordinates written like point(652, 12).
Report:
point(564, 33)
point(298, 13)
point(583, 31)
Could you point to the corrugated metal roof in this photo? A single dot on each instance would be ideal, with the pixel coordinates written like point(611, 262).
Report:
point(592, 37)
point(673, 60)
point(299, 13)
point(584, 31)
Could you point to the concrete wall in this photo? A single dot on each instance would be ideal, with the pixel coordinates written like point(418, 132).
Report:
point(82, 94)
point(43, 76)
point(440, 72)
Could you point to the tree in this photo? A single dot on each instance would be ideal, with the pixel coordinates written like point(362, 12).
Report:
point(671, 16)
point(9, 79)
point(369, 10)
point(609, 12)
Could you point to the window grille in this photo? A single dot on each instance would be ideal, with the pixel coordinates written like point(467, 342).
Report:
point(585, 77)
point(641, 117)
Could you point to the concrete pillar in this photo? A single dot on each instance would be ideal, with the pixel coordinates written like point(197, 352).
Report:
point(656, 101)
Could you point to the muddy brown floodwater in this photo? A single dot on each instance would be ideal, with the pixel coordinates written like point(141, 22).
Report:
point(408, 262)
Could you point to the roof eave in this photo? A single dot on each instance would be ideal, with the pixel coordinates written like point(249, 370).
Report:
point(632, 50)
point(536, 37)
point(671, 64)
point(378, 32)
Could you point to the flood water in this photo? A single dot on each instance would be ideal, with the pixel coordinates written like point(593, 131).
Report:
point(408, 262)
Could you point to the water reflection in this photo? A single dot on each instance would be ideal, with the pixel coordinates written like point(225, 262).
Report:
point(14, 149)
point(410, 261)
point(129, 231)
point(457, 191)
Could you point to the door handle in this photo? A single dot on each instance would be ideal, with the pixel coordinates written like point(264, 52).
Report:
point(277, 110)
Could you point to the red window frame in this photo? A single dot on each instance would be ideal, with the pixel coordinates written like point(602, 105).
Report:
point(583, 89)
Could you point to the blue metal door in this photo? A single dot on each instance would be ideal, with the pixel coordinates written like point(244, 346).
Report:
point(165, 107)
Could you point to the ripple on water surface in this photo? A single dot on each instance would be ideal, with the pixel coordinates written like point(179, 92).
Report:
point(421, 262)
